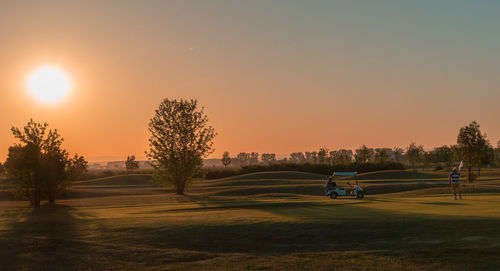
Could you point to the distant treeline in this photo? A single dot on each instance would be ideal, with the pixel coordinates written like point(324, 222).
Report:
point(326, 169)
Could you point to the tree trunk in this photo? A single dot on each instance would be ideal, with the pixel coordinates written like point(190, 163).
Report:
point(479, 171)
point(36, 196)
point(469, 171)
point(52, 198)
point(180, 187)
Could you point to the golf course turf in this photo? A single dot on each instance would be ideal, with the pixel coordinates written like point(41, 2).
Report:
point(273, 221)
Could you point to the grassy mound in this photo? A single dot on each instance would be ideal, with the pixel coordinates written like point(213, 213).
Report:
point(132, 179)
point(398, 174)
point(274, 175)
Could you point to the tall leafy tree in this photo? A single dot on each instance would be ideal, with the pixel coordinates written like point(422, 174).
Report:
point(180, 139)
point(473, 145)
point(39, 164)
point(226, 159)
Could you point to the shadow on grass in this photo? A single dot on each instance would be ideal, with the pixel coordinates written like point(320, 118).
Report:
point(312, 227)
point(329, 228)
point(444, 203)
point(39, 238)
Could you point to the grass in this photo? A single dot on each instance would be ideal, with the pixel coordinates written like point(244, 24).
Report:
point(262, 223)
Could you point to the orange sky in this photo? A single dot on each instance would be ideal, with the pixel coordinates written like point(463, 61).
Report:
point(278, 77)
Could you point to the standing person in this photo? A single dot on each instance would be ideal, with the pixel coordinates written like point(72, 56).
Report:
point(454, 179)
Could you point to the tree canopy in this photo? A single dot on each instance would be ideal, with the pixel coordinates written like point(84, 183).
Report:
point(180, 139)
point(39, 164)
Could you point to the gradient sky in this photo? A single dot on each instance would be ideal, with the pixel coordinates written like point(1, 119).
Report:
point(274, 76)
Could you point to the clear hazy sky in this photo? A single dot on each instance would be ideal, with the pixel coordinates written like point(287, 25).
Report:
point(274, 76)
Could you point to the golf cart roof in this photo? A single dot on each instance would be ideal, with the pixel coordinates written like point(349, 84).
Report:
point(347, 173)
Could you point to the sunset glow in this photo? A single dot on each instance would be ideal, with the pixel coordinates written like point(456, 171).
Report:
point(307, 75)
point(49, 84)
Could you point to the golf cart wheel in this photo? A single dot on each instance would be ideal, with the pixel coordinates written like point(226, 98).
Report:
point(360, 195)
point(333, 195)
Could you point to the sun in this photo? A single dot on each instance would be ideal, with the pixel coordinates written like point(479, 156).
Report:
point(49, 84)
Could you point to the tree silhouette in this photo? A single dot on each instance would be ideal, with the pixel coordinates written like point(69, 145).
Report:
point(243, 158)
point(180, 139)
point(363, 154)
point(39, 165)
point(131, 164)
point(77, 166)
point(268, 157)
point(254, 158)
point(381, 156)
point(473, 145)
point(398, 154)
point(226, 159)
point(322, 155)
point(497, 153)
point(297, 157)
point(414, 154)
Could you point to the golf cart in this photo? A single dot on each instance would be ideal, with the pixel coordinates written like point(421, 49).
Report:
point(336, 187)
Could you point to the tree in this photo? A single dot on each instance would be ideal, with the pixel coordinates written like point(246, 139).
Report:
point(398, 154)
point(472, 145)
point(427, 158)
point(497, 153)
point(253, 158)
point(39, 165)
point(243, 158)
point(443, 154)
point(131, 164)
point(363, 155)
point(268, 157)
point(341, 157)
point(414, 154)
point(485, 158)
point(226, 160)
point(312, 157)
point(322, 155)
point(76, 167)
point(297, 157)
point(381, 156)
point(2, 169)
point(180, 139)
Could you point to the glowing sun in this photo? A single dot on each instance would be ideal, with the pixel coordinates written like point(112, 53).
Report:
point(49, 84)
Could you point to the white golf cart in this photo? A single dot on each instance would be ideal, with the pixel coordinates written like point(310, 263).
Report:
point(339, 184)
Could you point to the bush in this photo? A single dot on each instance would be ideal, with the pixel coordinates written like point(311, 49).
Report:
point(108, 173)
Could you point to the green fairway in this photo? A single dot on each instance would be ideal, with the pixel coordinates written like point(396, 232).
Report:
point(260, 223)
